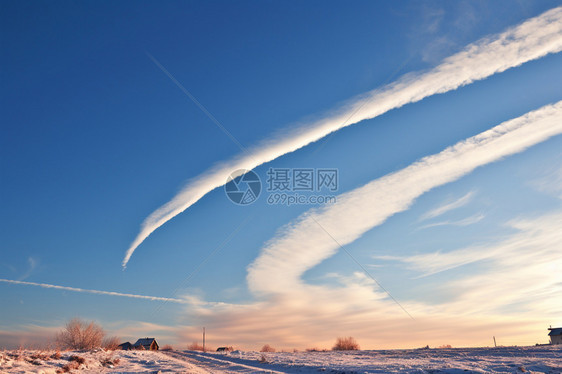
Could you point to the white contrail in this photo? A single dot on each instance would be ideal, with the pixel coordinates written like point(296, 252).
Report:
point(528, 41)
point(304, 243)
point(110, 293)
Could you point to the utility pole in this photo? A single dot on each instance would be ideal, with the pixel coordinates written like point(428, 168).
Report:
point(204, 339)
point(495, 345)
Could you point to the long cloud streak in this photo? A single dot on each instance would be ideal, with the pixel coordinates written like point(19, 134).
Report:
point(110, 293)
point(304, 243)
point(528, 41)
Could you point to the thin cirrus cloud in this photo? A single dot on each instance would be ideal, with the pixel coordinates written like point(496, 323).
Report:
point(530, 40)
point(442, 209)
point(33, 263)
point(282, 262)
point(533, 252)
point(97, 292)
point(471, 220)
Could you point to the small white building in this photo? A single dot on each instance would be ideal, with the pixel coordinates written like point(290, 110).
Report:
point(555, 335)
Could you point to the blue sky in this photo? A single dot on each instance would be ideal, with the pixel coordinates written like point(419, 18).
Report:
point(96, 138)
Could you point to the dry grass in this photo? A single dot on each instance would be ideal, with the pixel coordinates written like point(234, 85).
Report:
point(267, 348)
point(445, 346)
point(109, 362)
point(41, 355)
point(167, 347)
point(68, 367)
point(315, 349)
point(346, 344)
point(78, 359)
point(74, 363)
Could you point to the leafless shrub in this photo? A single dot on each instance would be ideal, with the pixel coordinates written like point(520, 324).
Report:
point(346, 344)
point(167, 347)
point(80, 335)
point(111, 343)
point(263, 359)
point(445, 346)
point(295, 350)
point(56, 355)
point(195, 347)
point(267, 348)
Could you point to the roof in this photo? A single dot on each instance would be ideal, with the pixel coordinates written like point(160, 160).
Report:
point(125, 346)
point(145, 342)
point(555, 331)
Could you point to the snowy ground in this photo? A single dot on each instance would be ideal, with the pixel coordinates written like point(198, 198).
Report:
point(543, 359)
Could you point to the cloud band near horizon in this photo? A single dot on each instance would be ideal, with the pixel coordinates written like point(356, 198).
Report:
point(97, 292)
point(530, 40)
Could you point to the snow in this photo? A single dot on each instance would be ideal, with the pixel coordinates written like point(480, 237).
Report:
point(540, 359)
point(23, 362)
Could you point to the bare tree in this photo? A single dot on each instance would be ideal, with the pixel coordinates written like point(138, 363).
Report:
point(79, 334)
point(346, 344)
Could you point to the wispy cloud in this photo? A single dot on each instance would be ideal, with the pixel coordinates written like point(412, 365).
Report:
point(33, 263)
point(537, 236)
point(550, 182)
point(304, 243)
point(442, 209)
point(461, 222)
point(97, 292)
point(530, 40)
point(527, 261)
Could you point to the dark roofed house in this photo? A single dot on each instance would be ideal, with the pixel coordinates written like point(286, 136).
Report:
point(555, 335)
point(126, 346)
point(149, 344)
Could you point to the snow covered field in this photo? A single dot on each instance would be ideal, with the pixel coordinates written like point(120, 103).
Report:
point(543, 359)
